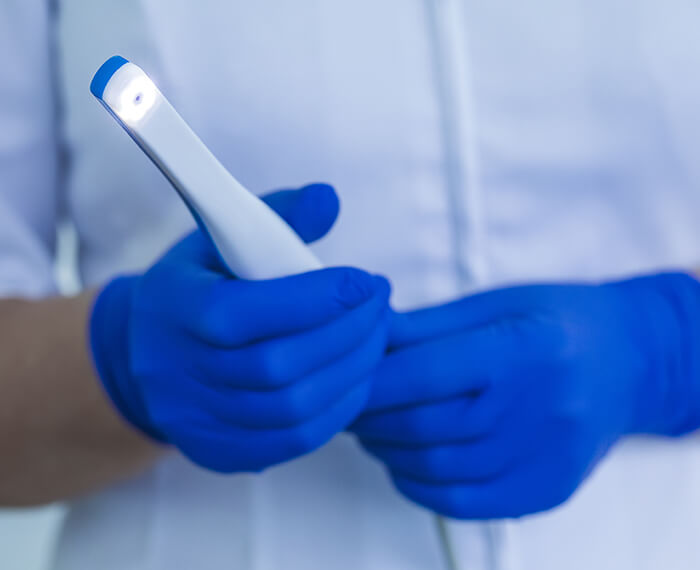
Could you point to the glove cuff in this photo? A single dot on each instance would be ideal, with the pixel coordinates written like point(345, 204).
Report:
point(109, 347)
point(668, 307)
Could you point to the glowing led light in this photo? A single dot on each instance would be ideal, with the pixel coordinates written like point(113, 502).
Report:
point(137, 98)
point(253, 241)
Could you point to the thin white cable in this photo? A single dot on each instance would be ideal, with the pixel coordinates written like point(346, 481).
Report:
point(460, 123)
point(456, 91)
point(446, 544)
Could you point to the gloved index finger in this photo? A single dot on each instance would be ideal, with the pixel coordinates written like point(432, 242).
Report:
point(448, 366)
point(470, 312)
point(237, 313)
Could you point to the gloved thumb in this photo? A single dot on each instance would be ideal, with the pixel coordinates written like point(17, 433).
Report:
point(311, 211)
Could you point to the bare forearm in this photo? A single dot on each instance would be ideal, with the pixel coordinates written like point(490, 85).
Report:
point(59, 435)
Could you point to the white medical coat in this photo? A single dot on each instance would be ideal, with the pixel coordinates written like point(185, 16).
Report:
point(473, 143)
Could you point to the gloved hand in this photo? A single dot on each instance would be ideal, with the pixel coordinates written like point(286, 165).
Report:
point(241, 375)
point(501, 404)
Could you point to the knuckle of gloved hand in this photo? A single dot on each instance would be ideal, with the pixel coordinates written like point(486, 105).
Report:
point(416, 426)
point(272, 365)
point(445, 500)
point(148, 298)
point(567, 418)
point(295, 406)
point(202, 452)
point(224, 463)
point(156, 276)
point(354, 287)
point(146, 364)
point(557, 493)
point(432, 463)
point(453, 503)
point(569, 467)
point(212, 323)
point(559, 346)
point(486, 469)
point(241, 463)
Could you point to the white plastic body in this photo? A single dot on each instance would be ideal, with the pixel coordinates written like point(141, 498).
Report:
point(253, 241)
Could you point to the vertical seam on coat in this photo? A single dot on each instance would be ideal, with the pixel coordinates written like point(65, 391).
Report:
point(457, 106)
point(453, 75)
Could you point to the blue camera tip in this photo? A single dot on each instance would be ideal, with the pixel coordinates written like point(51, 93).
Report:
point(105, 73)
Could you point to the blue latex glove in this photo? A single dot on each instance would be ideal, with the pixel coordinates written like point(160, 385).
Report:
point(241, 375)
point(501, 404)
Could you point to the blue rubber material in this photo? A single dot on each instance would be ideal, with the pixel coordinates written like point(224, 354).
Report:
point(326, 331)
point(105, 73)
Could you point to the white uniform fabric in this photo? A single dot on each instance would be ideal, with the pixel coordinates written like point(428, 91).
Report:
point(473, 143)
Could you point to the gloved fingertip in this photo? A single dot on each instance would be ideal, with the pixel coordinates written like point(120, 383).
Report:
point(356, 286)
point(315, 211)
point(382, 286)
point(322, 190)
point(311, 210)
